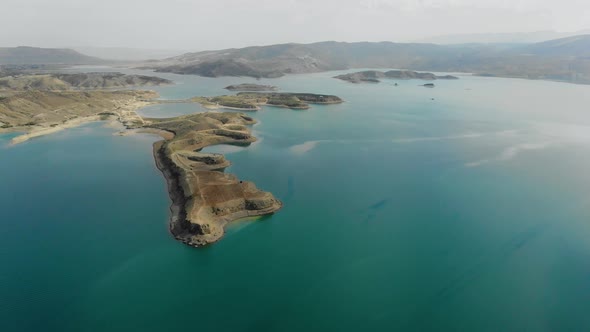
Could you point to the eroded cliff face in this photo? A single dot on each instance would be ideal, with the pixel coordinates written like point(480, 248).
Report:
point(204, 198)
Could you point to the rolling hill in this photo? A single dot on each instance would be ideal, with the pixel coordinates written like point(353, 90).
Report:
point(25, 55)
point(577, 46)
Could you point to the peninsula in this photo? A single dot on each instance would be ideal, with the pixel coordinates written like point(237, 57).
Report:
point(204, 198)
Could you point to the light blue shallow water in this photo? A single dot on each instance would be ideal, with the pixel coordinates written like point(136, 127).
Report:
point(469, 212)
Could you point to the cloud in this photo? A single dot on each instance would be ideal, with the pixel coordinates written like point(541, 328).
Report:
point(212, 24)
point(304, 148)
point(452, 137)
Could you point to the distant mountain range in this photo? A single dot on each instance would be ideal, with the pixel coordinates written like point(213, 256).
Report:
point(566, 59)
point(24, 55)
point(576, 46)
point(127, 53)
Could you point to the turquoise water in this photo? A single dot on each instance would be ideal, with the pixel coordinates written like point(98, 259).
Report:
point(469, 212)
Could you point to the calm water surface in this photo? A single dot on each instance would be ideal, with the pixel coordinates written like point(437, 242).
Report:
point(460, 208)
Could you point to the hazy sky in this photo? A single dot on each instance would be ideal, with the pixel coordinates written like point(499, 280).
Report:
point(213, 24)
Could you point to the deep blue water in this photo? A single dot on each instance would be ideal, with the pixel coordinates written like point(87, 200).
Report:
point(469, 212)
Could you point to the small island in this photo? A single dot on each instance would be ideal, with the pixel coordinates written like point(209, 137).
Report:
point(251, 101)
point(374, 76)
point(250, 87)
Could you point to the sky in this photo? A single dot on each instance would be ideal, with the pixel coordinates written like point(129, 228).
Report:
point(215, 24)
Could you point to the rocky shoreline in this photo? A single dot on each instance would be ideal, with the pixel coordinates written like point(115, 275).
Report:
point(178, 201)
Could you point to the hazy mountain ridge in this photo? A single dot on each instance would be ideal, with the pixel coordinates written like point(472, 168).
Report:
point(60, 81)
point(566, 59)
point(127, 53)
point(500, 38)
point(35, 55)
point(576, 46)
point(563, 59)
point(277, 60)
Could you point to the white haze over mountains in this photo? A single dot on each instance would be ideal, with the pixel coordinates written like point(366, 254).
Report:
point(502, 38)
point(215, 24)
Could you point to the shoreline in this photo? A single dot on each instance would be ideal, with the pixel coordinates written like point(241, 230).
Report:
point(44, 131)
point(176, 209)
point(127, 116)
